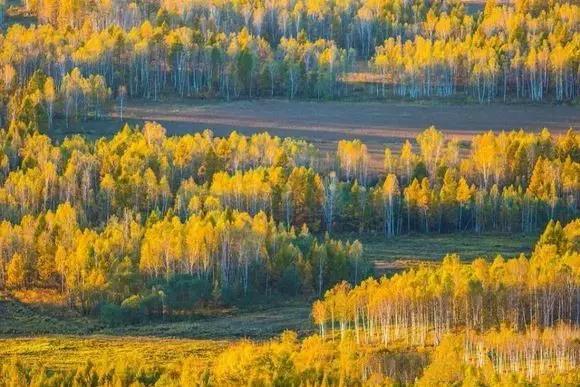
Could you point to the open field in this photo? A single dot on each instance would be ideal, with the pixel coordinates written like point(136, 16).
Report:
point(410, 250)
point(325, 123)
point(19, 317)
point(260, 324)
point(37, 335)
point(70, 352)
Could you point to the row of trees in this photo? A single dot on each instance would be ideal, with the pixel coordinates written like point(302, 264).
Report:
point(421, 306)
point(229, 253)
point(509, 53)
point(148, 60)
point(450, 203)
point(353, 23)
point(511, 181)
point(526, 51)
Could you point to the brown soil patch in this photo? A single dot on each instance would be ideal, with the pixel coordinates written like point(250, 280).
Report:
point(325, 123)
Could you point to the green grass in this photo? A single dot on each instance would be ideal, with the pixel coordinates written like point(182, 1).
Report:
point(409, 250)
point(260, 324)
point(436, 246)
point(19, 318)
point(63, 341)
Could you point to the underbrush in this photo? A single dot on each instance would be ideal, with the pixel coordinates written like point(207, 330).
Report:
point(260, 320)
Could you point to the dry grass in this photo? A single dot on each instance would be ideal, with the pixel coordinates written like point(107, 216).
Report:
point(70, 352)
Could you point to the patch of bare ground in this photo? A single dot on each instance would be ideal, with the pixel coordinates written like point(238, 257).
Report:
point(325, 123)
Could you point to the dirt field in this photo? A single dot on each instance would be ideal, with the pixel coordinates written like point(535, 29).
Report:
point(324, 123)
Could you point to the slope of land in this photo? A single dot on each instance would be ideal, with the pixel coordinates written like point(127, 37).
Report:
point(36, 328)
point(70, 352)
point(38, 312)
point(20, 318)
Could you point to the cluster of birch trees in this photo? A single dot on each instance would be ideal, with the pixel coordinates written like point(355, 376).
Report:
point(504, 181)
point(76, 98)
point(531, 354)
point(506, 356)
point(510, 53)
point(148, 61)
point(352, 23)
point(529, 50)
point(511, 181)
point(420, 306)
point(229, 253)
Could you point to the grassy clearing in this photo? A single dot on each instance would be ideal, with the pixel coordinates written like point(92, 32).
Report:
point(70, 352)
point(434, 247)
point(18, 317)
point(409, 250)
point(65, 342)
point(260, 324)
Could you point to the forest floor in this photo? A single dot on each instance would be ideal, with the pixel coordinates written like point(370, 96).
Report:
point(377, 124)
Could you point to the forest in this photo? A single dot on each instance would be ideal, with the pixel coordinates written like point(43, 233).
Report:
point(317, 49)
point(144, 227)
point(507, 322)
point(136, 255)
point(107, 220)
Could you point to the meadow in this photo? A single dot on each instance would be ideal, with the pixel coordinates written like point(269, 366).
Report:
point(60, 339)
point(20, 317)
point(62, 352)
point(428, 249)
